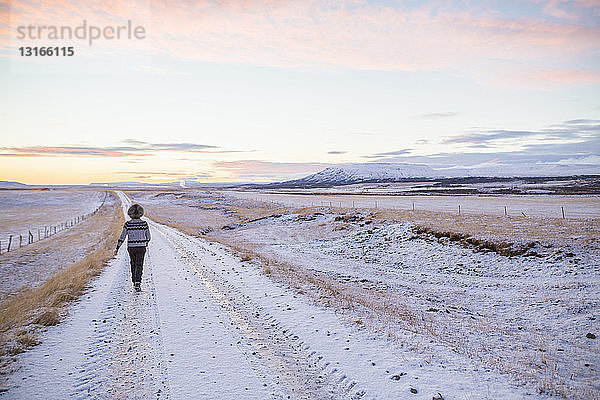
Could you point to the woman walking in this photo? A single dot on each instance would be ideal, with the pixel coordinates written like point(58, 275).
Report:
point(138, 236)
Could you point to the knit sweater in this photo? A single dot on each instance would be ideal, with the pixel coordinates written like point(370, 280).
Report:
point(137, 232)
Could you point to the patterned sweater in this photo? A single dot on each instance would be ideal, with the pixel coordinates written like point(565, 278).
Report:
point(137, 232)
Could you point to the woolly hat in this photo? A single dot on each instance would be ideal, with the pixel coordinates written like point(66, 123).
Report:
point(135, 211)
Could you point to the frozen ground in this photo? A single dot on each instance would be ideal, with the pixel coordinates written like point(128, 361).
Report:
point(528, 316)
point(30, 210)
point(533, 206)
point(525, 315)
point(33, 264)
point(208, 326)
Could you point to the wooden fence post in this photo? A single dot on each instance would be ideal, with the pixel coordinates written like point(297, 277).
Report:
point(459, 209)
point(20, 240)
point(9, 243)
point(562, 208)
point(505, 212)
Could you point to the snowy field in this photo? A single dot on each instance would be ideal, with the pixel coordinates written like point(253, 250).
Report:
point(29, 210)
point(321, 304)
point(209, 326)
point(525, 316)
point(31, 265)
point(534, 206)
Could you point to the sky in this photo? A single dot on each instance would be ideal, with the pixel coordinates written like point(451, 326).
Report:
point(260, 91)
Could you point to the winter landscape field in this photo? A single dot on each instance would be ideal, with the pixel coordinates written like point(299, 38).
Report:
point(44, 213)
point(266, 296)
point(35, 211)
point(361, 200)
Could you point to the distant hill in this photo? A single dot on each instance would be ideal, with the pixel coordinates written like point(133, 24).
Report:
point(11, 185)
point(347, 174)
point(522, 170)
point(367, 172)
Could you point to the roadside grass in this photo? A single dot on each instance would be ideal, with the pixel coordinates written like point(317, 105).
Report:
point(25, 314)
point(37, 262)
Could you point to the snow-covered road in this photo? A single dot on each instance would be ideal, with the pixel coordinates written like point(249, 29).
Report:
point(208, 326)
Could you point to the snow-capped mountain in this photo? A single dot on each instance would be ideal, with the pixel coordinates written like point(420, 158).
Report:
point(345, 174)
point(366, 172)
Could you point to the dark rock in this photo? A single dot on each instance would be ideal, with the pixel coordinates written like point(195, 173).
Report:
point(590, 336)
point(414, 391)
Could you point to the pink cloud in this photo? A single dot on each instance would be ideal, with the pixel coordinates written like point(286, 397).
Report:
point(544, 78)
point(48, 151)
point(318, 33)
point(570, 75)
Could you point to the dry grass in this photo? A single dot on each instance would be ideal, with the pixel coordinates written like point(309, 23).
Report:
point(29, 265)
point(508, 249)
point(203, 221)
point(200, 218)
point(501, 229)
point(485, 227)
point(24, 314)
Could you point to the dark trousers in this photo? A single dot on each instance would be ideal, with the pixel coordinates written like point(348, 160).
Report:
point(136, 256)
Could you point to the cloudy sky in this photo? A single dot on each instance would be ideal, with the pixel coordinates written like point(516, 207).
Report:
point(265, 90)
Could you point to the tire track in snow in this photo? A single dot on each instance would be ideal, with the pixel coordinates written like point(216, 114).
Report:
point(307, 372)
point(125, 352)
